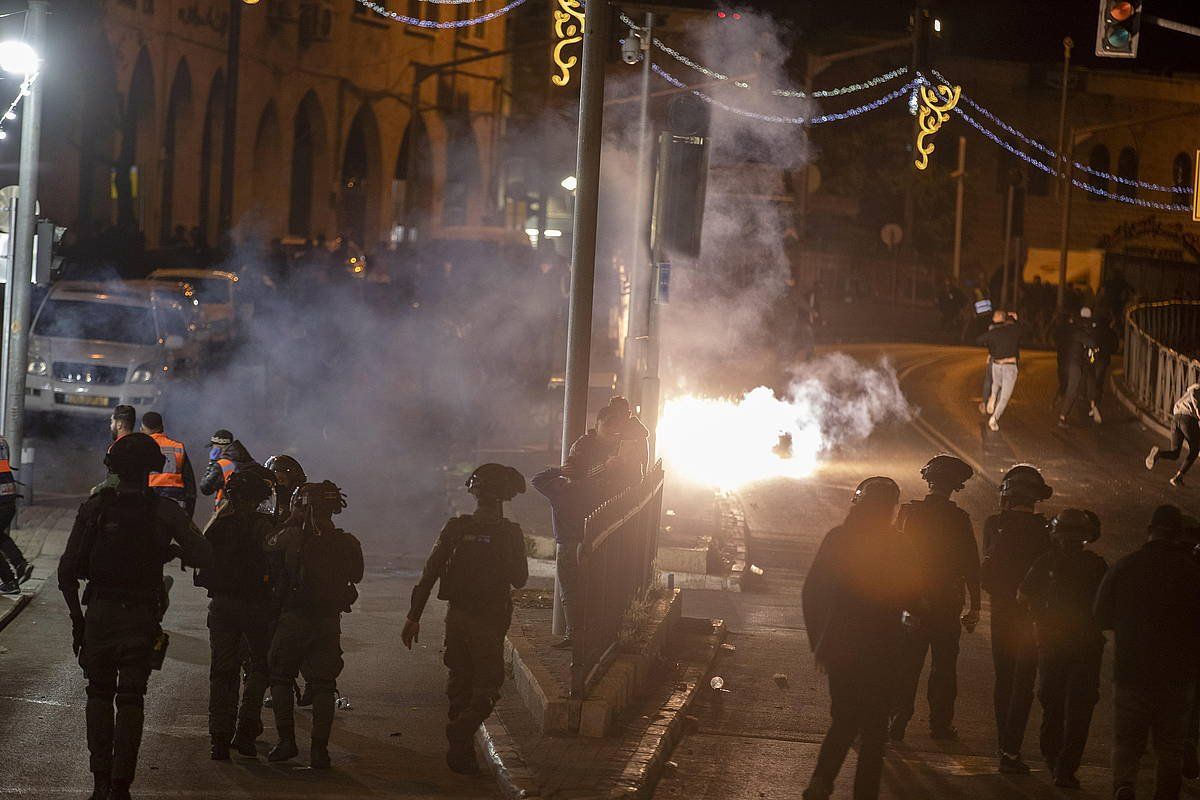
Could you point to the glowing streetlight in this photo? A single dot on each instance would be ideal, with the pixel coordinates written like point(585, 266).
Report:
point(569, 183)
point(18, 58)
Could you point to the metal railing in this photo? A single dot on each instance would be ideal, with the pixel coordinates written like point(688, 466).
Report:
point(616, 568)
point(1159, 338)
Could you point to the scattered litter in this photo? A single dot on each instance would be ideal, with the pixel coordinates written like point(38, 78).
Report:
point(729, 647)
point(343, 704)
point(756, 570)
point(672, 765)
point(670, 512)
point(781, 680)
point(718, 684)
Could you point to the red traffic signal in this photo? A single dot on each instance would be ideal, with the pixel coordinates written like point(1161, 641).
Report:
point(1118, 28)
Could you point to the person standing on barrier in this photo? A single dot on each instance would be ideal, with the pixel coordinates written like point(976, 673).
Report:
point(943, 539)
point(863, 582)
point(1185, 428)
point(1151, 600)
point(569, 508)
point(1012, 541)
point(1059, 590)
point(477, 561)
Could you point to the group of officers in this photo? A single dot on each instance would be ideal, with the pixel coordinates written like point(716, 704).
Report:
point(279, 574)
point(894, 583)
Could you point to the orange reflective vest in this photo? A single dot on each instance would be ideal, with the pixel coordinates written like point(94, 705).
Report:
point(8, 484)
point(172, 472)
point(227, 469)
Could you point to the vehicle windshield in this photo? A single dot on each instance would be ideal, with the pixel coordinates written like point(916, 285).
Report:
point(206, 290)
point(107, 322)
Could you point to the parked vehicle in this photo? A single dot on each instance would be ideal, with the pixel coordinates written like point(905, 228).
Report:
point(214, 292)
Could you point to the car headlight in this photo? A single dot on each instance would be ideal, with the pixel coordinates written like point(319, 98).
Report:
point(144, 374)
point(37, 366)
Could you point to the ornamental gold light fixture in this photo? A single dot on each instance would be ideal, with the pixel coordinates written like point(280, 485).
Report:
point(568, 28)
point(936, 103)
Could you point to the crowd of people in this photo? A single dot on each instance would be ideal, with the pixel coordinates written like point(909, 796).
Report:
point(893, 583)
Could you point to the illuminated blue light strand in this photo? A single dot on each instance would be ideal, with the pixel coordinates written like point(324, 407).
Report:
point(720, 76)
point(1156, 187)
point(432, 23)
point(1049, 170)
point(774, 118)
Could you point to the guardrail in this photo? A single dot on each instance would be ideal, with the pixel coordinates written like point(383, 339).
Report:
point(1158, 338)
point(616, 568)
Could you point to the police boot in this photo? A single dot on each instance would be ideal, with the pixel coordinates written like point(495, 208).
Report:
point(322, 724)
point(286, 748)
point(119, 790)
point(101, 782)
point(460, 757)
point(243, 743)
point(281, 696)
point(219, 750)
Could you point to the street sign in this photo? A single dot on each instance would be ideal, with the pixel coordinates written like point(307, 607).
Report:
point(1196, 189)
point(662, 293)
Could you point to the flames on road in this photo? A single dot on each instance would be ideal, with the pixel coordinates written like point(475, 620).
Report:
point(731, 442)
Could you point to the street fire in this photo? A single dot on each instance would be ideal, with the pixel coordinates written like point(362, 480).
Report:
point(731, 442)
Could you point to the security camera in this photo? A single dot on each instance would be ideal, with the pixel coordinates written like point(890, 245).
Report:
point(631, 48)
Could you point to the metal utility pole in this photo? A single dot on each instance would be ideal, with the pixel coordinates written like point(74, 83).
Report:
point(233, 60)
point(639, 253)
point(960, 177)
point(1068, 43)
point(1008, 225)
point(26, 224)
point(920, 14)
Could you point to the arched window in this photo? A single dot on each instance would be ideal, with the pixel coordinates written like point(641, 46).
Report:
point(1099, 161)
point(1127, 168)
point(1181, 178)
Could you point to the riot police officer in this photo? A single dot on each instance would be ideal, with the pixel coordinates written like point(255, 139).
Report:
point(1059, 590)
point(121, 538)
point(320, 564)
point(289, 476)
point(1012, 541)
point(478, 559)
point(943, 539)
point(239, 613)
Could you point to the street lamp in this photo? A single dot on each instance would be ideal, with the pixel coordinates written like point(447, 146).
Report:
point(18, 58)
point(569, 183)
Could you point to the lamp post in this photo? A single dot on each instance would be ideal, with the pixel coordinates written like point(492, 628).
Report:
point(21, 58)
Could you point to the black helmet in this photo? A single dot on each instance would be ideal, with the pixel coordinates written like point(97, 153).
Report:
point(288, 471)
point(324, 498)
point(221, 438)
point(876, 491)
point(1024, 483)
point(249, 486)
point(1076, 523)
point(947, 470)
point(133, 455)
point(496, 481)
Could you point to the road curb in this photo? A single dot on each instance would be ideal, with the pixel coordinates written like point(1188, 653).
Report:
point(11, 613)
point(499, 751)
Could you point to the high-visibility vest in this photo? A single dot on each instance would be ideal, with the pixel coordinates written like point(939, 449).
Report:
point(8, 484)
point(171, 476)
point(228, 467)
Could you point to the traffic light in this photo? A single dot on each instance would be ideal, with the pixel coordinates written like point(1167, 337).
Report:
point(1117, 28)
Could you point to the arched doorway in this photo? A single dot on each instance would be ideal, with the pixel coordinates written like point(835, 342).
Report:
point(358, 203)
point(308, 157)
point(462, 169)
point(136, 154)
point(411, 196)
point(179, 113)
point(210, 160)
point(268, 166)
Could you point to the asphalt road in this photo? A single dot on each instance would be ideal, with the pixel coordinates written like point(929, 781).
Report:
point(760, 739)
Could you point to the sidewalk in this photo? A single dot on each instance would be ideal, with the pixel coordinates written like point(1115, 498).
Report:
point(41, 534)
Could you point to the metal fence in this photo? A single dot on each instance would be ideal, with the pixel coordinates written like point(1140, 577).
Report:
point(1159, 340)
point(616, 568)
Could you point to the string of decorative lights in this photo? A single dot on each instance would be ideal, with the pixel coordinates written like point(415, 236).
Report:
point(741, 112)
point(11, 113)
point(432, 23)
point(1009, 129)
point(448, 2)
point(720, 76)
point(1049, 170)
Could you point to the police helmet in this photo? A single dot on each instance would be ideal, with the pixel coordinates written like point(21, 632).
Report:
point(1024, 483)
point(249, 486)
point(288, 471)
point(948, 471)
point(497, 482)
point(323, 498)
point(1075, 523)
point(133, 455)
point(876, 491)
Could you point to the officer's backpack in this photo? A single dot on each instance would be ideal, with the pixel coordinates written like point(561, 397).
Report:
point(474, 575)
point(125, 547)
point(327, 568)
point(239, 564)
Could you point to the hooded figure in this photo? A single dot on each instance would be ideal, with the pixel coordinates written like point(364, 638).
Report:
point(226, 457)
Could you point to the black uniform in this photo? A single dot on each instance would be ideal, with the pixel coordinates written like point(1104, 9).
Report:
point(318, 573)
point(1059, 589)
point(943, 539)
point(1075, 363)
point(118, 544)
point(861, 582)
point(239, 620)
point(478, 559)
point(1012, 542)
